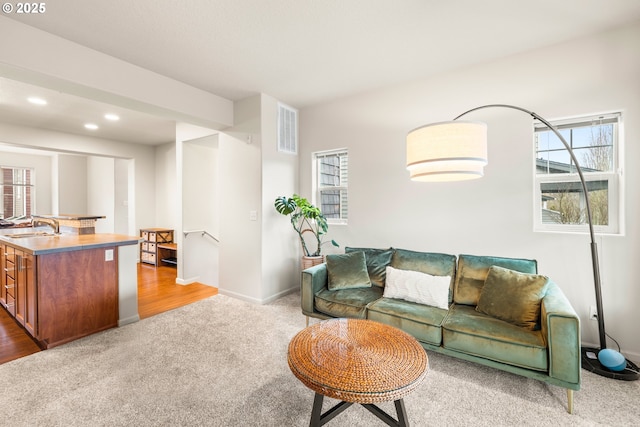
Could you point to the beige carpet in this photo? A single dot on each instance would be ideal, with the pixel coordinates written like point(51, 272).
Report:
point(222, 362)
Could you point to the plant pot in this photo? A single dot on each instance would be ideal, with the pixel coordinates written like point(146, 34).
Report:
point(310, 261)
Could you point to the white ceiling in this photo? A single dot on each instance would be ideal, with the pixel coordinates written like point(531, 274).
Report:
point(302, 52)
point(69, 113)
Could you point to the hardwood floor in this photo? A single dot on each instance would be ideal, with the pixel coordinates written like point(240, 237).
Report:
point(157, 293)
point(14, 341)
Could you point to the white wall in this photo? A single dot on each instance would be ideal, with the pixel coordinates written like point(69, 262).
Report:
point(72, 185)
point(280, 255)
point(122, 223)
point(240, 193)
point(493, 215)
point(258, 256)
point(165, 187)
point(101, 199)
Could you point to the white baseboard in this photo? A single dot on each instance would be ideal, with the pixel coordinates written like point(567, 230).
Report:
point(130, 319)
point(187, 281)
point(280, 294)
point(238, 296)
point(256, 300)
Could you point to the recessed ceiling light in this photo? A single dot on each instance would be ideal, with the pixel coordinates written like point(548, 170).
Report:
point(112, 117)
point(91, 126)
point(37, 101)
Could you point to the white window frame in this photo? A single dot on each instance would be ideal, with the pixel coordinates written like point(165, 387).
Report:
point(19, 188)
point(317, 188)
point(613, 177)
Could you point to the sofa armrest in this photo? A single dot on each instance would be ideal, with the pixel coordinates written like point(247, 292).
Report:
point(561, 327)
point(313, 280)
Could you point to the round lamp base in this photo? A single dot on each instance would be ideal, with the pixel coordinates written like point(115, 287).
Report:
point(591, 363)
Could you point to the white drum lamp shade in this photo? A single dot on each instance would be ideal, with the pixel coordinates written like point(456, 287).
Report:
point(447, 151)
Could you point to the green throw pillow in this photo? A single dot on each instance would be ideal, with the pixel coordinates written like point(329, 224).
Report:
point(377, 262)
point(513, 297)
point(347, 271)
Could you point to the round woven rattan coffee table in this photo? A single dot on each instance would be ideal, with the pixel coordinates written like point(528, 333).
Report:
point(357, 361)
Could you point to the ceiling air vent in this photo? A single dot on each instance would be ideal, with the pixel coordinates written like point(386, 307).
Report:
point(287, 129)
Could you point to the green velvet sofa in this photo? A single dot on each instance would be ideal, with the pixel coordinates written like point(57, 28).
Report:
point(547, 349)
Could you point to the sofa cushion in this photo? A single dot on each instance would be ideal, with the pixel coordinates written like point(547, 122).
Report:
point(432, 263)
point(478, 334)
point(417, 287)
point(422, 321)
point(377, 260)
point(513, 297)
point(347, 271)
point(347, 302)
point(473, 270)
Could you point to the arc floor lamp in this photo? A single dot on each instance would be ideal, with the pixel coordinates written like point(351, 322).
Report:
point(457, 150)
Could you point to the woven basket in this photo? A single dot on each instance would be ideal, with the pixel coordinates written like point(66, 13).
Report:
point(310, 261)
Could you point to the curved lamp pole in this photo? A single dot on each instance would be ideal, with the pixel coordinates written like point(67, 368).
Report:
point(457, 150)
point(594, 246)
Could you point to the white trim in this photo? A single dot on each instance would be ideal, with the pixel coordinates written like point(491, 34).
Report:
point(187, 281)
point(614, 179)
point(316, 189)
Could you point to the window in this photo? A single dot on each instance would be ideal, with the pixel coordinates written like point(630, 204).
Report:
point(331, 179)
point(17, 192)
point(559, 197)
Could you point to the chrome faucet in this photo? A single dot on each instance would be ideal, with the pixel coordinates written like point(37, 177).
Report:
point(51, 222)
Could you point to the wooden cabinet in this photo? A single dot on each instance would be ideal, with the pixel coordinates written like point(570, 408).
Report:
point(155, 244)
point(19, 287)
point(75, 300)
point(3, 276)
point(9, 279)
point(61, 296)
point(31, 297)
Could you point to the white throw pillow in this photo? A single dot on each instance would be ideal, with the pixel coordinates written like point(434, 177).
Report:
point(418, 287)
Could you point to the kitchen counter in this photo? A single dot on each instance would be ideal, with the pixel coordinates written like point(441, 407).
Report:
point(46, 244)
point(61, 287)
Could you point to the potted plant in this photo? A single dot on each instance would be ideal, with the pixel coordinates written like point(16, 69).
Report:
point(305, 218)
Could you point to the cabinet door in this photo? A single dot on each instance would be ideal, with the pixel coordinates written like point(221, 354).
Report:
point(31, 313)
point(21, 291)
point(3, 275)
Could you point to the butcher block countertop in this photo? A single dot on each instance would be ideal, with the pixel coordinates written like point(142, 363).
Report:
point(42, 241)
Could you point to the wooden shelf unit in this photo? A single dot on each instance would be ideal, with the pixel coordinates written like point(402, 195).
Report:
point(157, 246)
point(168, 253)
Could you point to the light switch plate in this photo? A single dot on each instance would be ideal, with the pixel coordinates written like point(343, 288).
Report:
point(108, 255)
